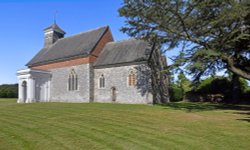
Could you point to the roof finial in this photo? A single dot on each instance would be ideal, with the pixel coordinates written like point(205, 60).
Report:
point(55, 16)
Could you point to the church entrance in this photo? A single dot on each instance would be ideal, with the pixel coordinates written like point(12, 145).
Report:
point(24, 92)
point(113, 94)
point(33, 85)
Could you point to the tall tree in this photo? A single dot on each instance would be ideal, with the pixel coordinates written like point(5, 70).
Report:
point(214, 35)
point(159, 78)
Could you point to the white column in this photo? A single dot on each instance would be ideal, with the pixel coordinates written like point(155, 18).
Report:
point(49, 90)
point(20, 91)
point(45, 91)
point(31, 90)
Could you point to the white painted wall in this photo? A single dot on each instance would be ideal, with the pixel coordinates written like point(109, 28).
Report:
point(38, 85)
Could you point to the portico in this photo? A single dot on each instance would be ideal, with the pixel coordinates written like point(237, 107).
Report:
point(34, 85)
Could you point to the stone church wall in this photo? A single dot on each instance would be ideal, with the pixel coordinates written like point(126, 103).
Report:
point(117, 77)
point(59, 84)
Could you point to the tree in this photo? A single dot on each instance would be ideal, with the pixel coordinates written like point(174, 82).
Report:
point(159, 78)
point(214, 35)
point(239, 86)
point(214, 85)
point(175, 92)
point(9, 91)
point(244, 85)
point(183, 83)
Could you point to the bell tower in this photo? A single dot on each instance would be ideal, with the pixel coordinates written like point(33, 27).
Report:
point(52, 34)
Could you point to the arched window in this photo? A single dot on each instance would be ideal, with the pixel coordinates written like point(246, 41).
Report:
point(131, 78)
point(72, 81)
point(102, 81)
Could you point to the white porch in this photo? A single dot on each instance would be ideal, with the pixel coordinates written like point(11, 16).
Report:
point(33, 85)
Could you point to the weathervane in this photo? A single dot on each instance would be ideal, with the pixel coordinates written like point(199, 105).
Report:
point(55, 16)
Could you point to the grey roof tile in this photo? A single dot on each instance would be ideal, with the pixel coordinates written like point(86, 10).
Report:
point(74, 46)
point(126, 51)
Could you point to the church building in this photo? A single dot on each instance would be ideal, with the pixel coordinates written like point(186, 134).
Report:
point(87, 67)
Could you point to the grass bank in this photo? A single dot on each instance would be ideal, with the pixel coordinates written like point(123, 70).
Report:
point(115, 126)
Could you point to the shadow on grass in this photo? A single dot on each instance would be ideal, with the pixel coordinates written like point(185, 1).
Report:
point(245, 119)
point(244, 113)
point(199, 106)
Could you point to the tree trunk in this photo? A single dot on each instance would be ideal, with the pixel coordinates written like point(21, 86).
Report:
point(236, 89)
point(159, 78)
point(236, 70)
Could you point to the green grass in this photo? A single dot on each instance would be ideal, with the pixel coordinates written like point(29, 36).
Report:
point(115, 126)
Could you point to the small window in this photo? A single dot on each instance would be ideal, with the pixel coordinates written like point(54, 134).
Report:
point(102, 81)
point(131, 79)
point(72, 81)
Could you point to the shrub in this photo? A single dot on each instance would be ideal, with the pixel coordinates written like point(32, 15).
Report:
point(214, 85)
point(175, 93)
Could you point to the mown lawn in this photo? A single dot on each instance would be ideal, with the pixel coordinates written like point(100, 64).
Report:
point(114, 126)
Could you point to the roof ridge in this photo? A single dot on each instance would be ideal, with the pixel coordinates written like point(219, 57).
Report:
point(125, 40)
point(91, 30)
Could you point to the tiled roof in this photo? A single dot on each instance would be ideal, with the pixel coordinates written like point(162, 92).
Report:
point(123, 52)
point(74, 46)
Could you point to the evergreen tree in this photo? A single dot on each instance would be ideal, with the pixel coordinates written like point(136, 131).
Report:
point(214, 35)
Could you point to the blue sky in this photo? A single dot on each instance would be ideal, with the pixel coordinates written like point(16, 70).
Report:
point(22, 25)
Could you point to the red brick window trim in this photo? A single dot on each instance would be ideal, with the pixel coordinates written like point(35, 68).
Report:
point(131, 78)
